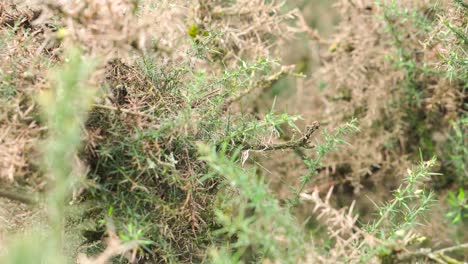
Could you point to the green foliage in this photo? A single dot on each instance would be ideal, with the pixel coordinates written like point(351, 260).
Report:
point(159, 164)
point(458, 206)
point(7, 89)
point(251, 218)
point(410, 200)
point(402, 21)
point(457, 151)
point(195, 30)
point(399, 216)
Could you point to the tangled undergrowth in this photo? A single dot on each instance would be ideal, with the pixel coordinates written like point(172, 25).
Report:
point(409, 93)
point(133, 132)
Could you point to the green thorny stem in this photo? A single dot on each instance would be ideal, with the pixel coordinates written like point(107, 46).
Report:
point(408, 192)
point(403, 196)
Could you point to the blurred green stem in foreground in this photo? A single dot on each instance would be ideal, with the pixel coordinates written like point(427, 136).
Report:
point(65, 108)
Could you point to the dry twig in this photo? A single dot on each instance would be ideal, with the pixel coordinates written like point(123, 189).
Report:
point(437, 255)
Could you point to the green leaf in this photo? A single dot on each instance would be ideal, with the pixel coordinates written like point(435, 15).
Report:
point(461, 195)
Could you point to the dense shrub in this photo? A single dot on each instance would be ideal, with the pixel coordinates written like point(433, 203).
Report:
point(136, 131)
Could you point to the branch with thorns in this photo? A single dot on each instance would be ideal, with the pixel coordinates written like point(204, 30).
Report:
point(303, 142)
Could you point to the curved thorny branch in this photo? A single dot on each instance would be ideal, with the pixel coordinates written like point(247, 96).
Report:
point(302, 142)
